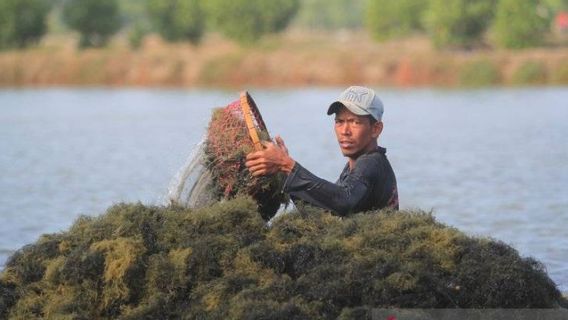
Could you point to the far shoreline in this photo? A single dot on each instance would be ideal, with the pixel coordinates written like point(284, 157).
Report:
point(286, 61)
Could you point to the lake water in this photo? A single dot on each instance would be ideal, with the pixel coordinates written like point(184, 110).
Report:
point(489, 162)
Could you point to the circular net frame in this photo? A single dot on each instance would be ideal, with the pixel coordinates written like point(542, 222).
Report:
point(230, 137)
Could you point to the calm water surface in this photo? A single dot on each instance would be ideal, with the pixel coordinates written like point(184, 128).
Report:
point(489, 162)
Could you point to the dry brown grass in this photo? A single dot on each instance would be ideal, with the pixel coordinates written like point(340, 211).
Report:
point(291, 59)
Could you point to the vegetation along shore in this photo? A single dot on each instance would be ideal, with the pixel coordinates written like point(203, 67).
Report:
point(283, 43)
point(293, 59)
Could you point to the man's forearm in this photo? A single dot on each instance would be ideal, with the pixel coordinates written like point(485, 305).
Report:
point(340, 199)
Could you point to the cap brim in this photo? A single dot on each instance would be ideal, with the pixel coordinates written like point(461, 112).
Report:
point(334, 107)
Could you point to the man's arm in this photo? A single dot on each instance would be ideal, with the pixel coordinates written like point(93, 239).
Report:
point(341, 198)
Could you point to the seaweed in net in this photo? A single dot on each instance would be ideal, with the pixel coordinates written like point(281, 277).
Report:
point(217, 170)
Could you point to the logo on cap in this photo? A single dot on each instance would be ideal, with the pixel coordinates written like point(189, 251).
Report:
point(355, 96)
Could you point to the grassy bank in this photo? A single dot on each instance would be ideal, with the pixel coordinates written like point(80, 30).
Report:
point(292, 59)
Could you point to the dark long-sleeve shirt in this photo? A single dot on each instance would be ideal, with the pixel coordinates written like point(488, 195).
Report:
point(369, 185)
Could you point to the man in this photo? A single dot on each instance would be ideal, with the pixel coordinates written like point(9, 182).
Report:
point(367, 181)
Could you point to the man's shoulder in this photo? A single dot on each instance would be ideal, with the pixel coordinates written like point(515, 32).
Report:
point(368, 164)
point(373, 164)
point(377, 156)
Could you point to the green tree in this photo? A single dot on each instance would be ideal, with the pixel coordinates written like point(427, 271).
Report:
point(330, 14)
point(557, 5)
point(96, 20)
point(521, 24)
point(247, 20)
point(22, 22)
point(388, 19)
point(178, 20)
point(458, 23)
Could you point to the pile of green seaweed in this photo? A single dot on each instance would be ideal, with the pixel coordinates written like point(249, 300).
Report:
point(223, 261)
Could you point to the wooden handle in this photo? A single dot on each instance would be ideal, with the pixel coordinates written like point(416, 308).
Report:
point(247, 113)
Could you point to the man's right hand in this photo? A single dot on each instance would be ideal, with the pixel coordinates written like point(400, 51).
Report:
point(274, 158)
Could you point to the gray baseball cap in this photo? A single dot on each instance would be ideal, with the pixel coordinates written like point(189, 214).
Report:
point(361, 101)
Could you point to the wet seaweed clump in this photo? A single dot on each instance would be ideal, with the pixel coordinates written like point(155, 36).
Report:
point(233, 132)
point(223, 262)
point(228, 142)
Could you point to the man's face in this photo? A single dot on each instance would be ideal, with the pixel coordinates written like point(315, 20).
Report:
point(355, 134)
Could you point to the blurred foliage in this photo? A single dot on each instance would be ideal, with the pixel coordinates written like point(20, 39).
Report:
point(481, 73)
point(557, 5)
point(458, 23)
point(521, 24)
point(133, 11)
point(246, 21)
point(559, 75)
point(449, 24)
point(178, 20)
point(388, 19)
point(95, 20)
point(531, 73)
point(223, 262)
point(330, 14)
point(137, 34)
point(55, 24)
point(22, 22)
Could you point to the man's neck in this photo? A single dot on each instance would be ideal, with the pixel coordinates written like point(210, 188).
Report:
point(351, 162)
point(354, 158)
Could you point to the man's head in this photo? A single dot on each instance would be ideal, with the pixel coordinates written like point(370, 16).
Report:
point(358, 113)
point(361, 101)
